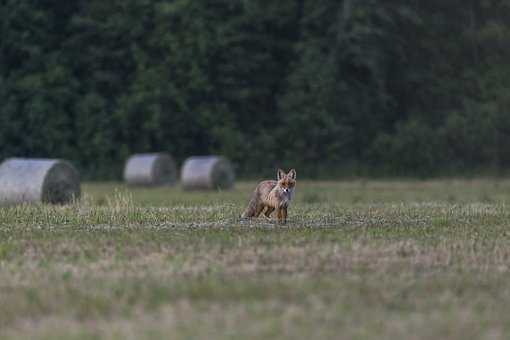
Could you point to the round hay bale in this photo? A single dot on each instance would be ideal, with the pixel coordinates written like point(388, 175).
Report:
point(38, 181)
point(150, 169)
point(207, 173)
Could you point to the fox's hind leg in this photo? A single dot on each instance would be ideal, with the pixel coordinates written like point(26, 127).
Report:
point(259, 209)
point(268, 212)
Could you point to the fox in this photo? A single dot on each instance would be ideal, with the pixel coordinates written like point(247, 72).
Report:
point(272, 195)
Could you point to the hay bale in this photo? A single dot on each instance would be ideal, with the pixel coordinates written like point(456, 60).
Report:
point(150, 169)
point(207, 172)
point(38, 180)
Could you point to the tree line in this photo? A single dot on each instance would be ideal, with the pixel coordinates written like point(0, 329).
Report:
point(330, 87)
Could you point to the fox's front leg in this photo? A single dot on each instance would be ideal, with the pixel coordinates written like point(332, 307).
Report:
point(284, 214)
point(268, 212)
point(280, 215)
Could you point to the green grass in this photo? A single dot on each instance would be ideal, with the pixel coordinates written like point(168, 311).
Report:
point(357, 260)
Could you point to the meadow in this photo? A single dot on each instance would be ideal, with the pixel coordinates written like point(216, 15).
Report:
point(360, 259)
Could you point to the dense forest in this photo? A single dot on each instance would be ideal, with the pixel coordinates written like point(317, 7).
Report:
point(330, 87)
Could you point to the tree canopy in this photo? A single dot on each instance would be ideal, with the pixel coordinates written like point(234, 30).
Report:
point(330, 87)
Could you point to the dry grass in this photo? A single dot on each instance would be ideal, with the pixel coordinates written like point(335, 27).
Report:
point(363, 259)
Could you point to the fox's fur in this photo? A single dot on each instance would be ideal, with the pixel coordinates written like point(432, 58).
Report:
point(272, 195)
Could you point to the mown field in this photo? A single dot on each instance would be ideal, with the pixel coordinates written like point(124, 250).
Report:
point(357, 260)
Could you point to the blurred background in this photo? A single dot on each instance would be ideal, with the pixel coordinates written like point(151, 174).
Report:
point(331, 88)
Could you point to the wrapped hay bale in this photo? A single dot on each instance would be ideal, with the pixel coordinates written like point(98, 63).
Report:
point(207, 172)
point(38, 180)
point(151, 169)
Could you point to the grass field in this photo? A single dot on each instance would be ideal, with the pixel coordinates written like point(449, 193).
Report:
point(357, 260)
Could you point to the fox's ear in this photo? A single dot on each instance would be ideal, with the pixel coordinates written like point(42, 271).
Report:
point(280, 174)
point(292, 174)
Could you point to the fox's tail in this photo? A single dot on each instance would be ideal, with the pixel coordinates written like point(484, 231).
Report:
point(251, 208)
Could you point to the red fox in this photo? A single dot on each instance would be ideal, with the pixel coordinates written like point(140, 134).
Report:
point(272, 195)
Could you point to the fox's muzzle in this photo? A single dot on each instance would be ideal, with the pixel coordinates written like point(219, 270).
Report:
point(287, 192)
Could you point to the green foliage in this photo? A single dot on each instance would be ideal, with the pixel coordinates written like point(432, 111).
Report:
point(397, 87)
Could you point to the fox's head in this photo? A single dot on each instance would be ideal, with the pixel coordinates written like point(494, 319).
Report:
point(286, 182)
